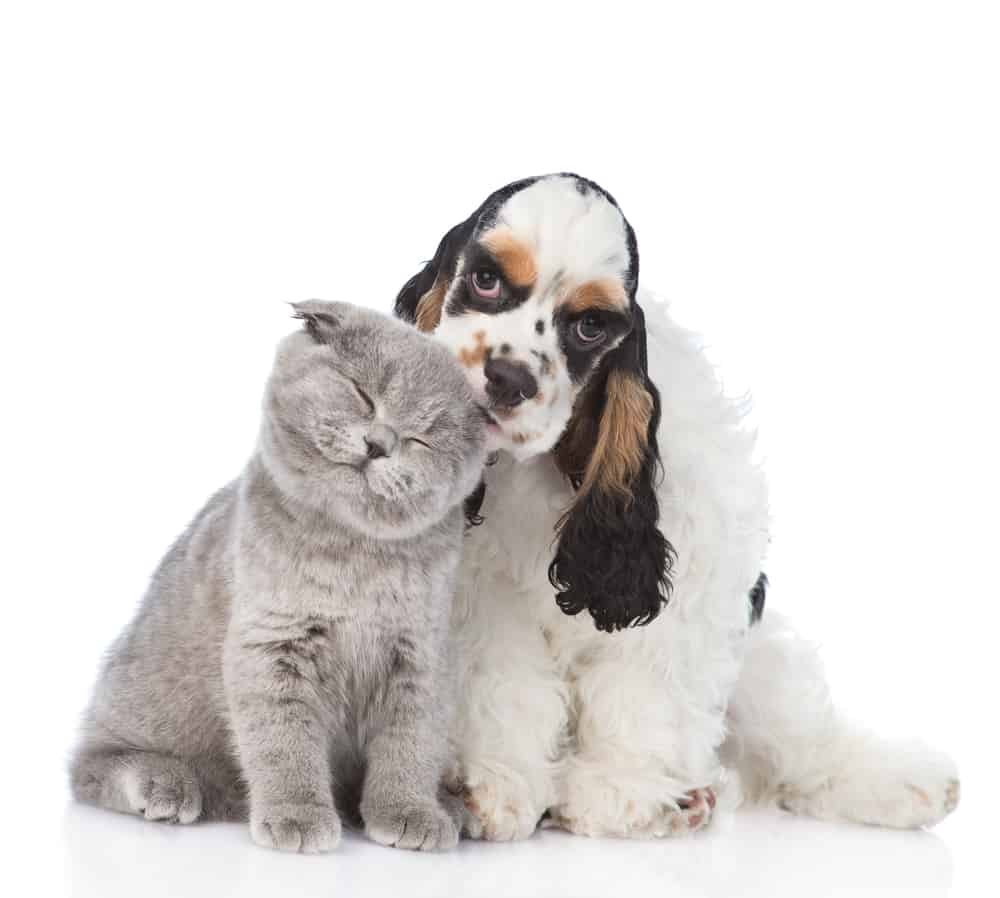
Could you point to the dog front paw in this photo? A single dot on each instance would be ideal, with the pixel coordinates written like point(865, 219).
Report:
point(595, 806)
point(500, 807)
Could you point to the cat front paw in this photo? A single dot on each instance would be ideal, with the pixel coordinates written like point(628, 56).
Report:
point(309, 829)
point(418, 827)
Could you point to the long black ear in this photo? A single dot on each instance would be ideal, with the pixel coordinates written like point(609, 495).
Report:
point(422, 297)
point(611, 559)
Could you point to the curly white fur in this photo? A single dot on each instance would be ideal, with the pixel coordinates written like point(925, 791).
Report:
point(610, 733)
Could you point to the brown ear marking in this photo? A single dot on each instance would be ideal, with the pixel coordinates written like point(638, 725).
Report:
point(604, 446)
point(515, 257)
point(429, 306)
point(604, 293)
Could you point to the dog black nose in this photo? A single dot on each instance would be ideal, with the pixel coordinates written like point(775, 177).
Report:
point(374, 449)
point(509, 383)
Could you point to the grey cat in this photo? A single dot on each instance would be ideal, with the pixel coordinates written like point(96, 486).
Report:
point(289, 658)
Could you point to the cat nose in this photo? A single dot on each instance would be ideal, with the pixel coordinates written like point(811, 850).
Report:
point(509, 383)
point(380, 441)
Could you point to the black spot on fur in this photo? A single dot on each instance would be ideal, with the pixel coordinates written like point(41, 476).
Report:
point(539, 327)
point(473, 504)
point(544, 362)
point(757, 596)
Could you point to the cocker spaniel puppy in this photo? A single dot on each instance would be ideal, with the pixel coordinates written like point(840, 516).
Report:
point(614, 661)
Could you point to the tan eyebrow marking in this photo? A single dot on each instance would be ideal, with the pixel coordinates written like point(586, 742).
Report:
point(604, 293)
point(514, 256)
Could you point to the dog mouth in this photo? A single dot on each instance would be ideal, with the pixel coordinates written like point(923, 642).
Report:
point(501, 421)
point(494, 412)
point(498, 436)
point(503, 412)
point(494, 428)
point(500, 417)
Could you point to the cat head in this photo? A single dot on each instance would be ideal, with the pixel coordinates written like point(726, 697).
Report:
point(371, 421)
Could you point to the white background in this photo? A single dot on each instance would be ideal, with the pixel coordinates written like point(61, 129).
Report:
point(814, 186)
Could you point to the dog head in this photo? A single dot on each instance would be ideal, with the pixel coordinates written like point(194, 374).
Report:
point(535, 293)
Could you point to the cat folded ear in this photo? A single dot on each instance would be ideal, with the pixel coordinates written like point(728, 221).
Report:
point(611, 559)
point(322, 319)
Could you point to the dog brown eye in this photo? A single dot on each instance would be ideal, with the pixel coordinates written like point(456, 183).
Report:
point(486, 284)
point(590, 328)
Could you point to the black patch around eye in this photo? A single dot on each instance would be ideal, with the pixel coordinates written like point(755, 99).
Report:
point(464, 299)
point(582, 357)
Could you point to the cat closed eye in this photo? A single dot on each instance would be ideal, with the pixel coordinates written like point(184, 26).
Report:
point(419, 442)
point(364, 396)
